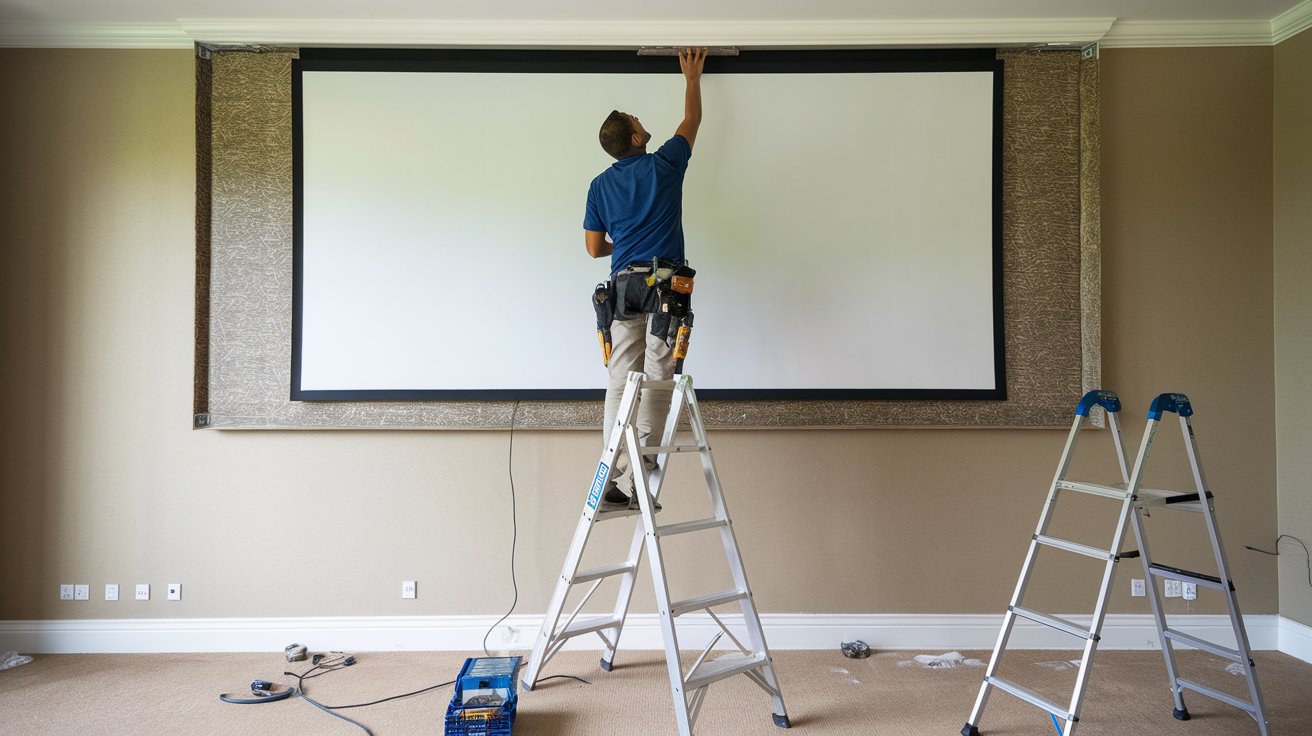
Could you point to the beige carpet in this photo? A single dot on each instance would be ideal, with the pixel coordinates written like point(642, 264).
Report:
point(826, 694)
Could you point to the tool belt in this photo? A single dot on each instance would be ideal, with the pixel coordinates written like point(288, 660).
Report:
point(662, 289)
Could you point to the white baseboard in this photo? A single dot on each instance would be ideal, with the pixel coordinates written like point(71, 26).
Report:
point(642, 631)
point(1296, 639)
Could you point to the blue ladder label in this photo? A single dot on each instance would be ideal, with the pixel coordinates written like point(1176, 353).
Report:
point(595, 494)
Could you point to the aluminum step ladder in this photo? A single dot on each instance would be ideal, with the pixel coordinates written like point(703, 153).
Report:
point(1134, 501)
point(689, 686)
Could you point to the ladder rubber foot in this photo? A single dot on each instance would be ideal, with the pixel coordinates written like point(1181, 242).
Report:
point(607, 665)
point(781, 721)
point(527, 687)
point(1181, 714)
point(970, 730)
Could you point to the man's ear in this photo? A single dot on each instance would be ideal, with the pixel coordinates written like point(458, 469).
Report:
point(636, 140)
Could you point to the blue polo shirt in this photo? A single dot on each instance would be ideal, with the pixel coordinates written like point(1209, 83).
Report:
point(639, 201)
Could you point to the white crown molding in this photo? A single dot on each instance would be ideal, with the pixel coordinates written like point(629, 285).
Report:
point(641, 631)
point(1109, 32)
point(93, 36)
point(556, 34)
point(1156, 33)
point(604, 34)
point(1292, 22)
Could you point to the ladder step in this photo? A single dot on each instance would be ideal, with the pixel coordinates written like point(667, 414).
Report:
point(1077, 548)
point(649, 383)
point(597, 573)
point(1059, 624)
point(1094, 488)
point(1180, 500)
point(662, 449)
point(1175, 573)
point(1030, 697)
point(684, 527)
point(721, 667)
point(1217, 695)
point(709, 600)
point(1206, 646)
point(588, 625)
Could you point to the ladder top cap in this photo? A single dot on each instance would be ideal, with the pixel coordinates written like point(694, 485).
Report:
point(1106, 399)
point(1178, 403)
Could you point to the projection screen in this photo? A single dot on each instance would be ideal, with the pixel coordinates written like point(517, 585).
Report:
point(842, 210)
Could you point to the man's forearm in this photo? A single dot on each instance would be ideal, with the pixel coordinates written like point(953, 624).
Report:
point(692, 102)
point(690, 61)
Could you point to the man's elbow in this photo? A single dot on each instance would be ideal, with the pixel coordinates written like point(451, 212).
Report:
point(597, 247)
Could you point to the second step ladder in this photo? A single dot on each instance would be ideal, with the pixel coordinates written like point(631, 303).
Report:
point(752, 658)
point(1133, 499)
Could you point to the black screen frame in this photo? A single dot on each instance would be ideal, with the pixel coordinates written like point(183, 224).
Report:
point(627, 62)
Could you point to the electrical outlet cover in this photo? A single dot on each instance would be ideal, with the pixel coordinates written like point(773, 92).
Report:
point(111, 591)
point(408, 589)
point(1190, 591)
point(175, 591)
point(82, 592)
point(143, 591)
point(1172, 588)
point(1137, 588)
point(65, 592)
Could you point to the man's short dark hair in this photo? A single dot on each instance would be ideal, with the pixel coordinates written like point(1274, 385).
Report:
point(617, 134)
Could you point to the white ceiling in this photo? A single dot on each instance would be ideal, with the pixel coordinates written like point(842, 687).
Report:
point(598, 23)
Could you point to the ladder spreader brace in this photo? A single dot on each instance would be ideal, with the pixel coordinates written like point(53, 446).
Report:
point(1134, 499)
point(752, 657)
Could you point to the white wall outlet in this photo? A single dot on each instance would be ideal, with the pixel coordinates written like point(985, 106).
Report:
point(65, 592)
point(82, 592)
point(407, 589)
point(111, 591)
point(143, 591)
point(175, 591)
point(1172, 588)
point(1137, 588)
point(1190, 591)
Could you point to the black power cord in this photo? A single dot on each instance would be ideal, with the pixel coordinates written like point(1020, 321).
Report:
point(1307, 554)
point(302, 677)
point(343, 662)
point(514, 542)
point(514, 520)
point(264, 695)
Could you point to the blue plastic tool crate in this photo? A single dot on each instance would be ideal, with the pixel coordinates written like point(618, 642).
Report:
point(485, 698)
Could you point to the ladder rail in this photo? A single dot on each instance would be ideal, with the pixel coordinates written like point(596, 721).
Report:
point(1022, 582)
point(1145, 557)
point(545, 645)
point(660, 581)
point(637, 546)
point(1104, 590)
point(1223, 572)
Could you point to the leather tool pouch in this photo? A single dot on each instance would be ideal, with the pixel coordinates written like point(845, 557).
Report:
point(673, 303)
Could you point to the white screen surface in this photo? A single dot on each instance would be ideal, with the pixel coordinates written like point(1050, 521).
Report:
point(841, 226)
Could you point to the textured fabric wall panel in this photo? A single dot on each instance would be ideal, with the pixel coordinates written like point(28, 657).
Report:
point(1051, 256)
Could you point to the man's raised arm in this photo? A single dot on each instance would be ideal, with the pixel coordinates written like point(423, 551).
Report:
point(691, 61)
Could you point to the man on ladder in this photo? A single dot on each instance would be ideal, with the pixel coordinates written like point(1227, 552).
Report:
point(643, 311)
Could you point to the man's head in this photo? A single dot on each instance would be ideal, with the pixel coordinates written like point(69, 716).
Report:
point(622, 135)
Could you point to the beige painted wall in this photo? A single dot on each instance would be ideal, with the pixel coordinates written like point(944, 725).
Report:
point(1293, 307)
point(103, 481)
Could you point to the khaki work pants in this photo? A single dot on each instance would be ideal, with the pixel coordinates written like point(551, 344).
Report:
point(633, 348)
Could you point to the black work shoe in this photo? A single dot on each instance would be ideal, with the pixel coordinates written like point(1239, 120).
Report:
point(614, 499)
